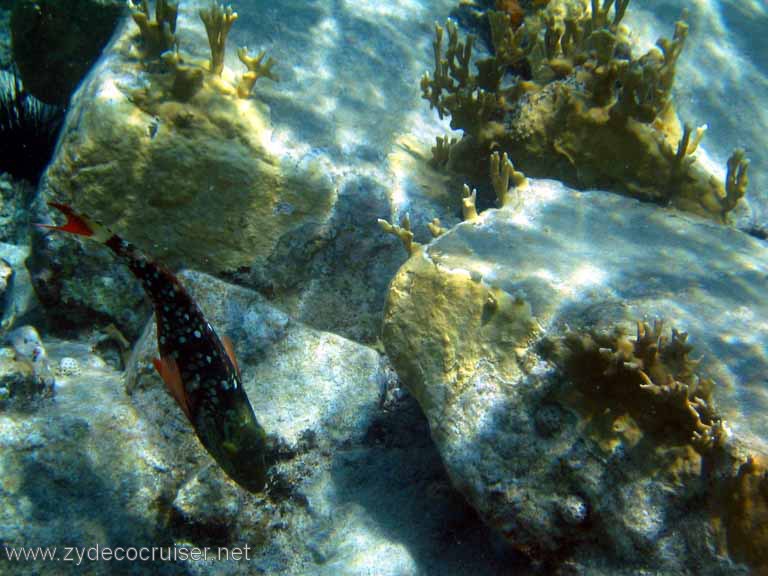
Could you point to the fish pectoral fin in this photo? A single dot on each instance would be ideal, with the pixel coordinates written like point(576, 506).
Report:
point(169, 372)
point(230, 350)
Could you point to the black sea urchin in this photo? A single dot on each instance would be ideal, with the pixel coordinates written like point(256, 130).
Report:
point(28, 130)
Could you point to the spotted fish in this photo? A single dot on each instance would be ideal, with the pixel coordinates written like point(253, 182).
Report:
point(198, 368)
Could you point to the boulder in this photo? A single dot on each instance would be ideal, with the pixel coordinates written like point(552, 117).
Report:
point(561, 463)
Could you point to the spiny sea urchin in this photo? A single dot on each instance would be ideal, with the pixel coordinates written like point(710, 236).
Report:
point(28, 130)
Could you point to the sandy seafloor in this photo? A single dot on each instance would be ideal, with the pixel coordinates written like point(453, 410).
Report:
point(323, 108)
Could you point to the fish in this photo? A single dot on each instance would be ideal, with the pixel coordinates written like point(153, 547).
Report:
point(199, 369)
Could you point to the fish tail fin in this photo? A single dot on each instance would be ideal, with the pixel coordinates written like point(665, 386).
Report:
point(78, 224)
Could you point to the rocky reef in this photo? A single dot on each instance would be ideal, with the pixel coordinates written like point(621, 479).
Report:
point(566, 97)
point(111, 460)
point(574, 440)
point(572, 383)
point(158, 123)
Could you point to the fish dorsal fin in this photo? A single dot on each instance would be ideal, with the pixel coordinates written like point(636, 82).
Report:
point(230, 350)
point(169, 372)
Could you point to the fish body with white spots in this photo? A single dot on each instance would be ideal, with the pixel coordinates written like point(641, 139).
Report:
point(198, 368)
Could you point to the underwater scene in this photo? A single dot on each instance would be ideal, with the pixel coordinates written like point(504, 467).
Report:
point(399, 288)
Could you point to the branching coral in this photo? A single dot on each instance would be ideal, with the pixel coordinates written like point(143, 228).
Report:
point(453, 90)
point(647, 82)
point(651, 378)
point(403, 232)
point(441, 151)
point(436, 229)
point(187, 80)
point(736, 181)
point(160, 40)
point(502, 172)
point(257, 68)
point(159, 34)
point(218, 20)
point(468, 203)
point(601, 13)
point(592, 114)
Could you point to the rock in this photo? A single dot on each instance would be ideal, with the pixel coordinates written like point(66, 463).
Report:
point(15, 196)
point(283, 198)
point(469, 322)
point(19, 299)
point(30, 357)
point(17, 381)
point(355, 477)
point(205, 162)
point(302, 383)
point(5, 277)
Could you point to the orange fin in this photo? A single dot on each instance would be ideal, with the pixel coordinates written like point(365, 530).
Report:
point(230, 349)
point(169, 372)
point(76, 224)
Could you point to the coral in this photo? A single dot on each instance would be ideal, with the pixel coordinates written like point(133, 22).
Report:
point(158, 35)
point(453, 90)
point(218, 19)
point(187, 80)
point(511, 48)
point(256, 70)
point(736, 181)
point(646, 83)
point(436, 229)
point(513, 9)
point(600, 14)
point(651, 379)
point(468, 203)
point(402, 232)
point(441, 151)
point(649, 387)
point(502, 171)
point(580, 108)
point(746, 515)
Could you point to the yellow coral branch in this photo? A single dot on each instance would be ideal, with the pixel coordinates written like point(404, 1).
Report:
point(218, 20)
point(256, 70)
point(402, 232)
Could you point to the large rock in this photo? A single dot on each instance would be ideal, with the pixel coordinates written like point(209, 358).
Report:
point(462, 319)
point(195, 178)
point(283, 198)
point(356, 485)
